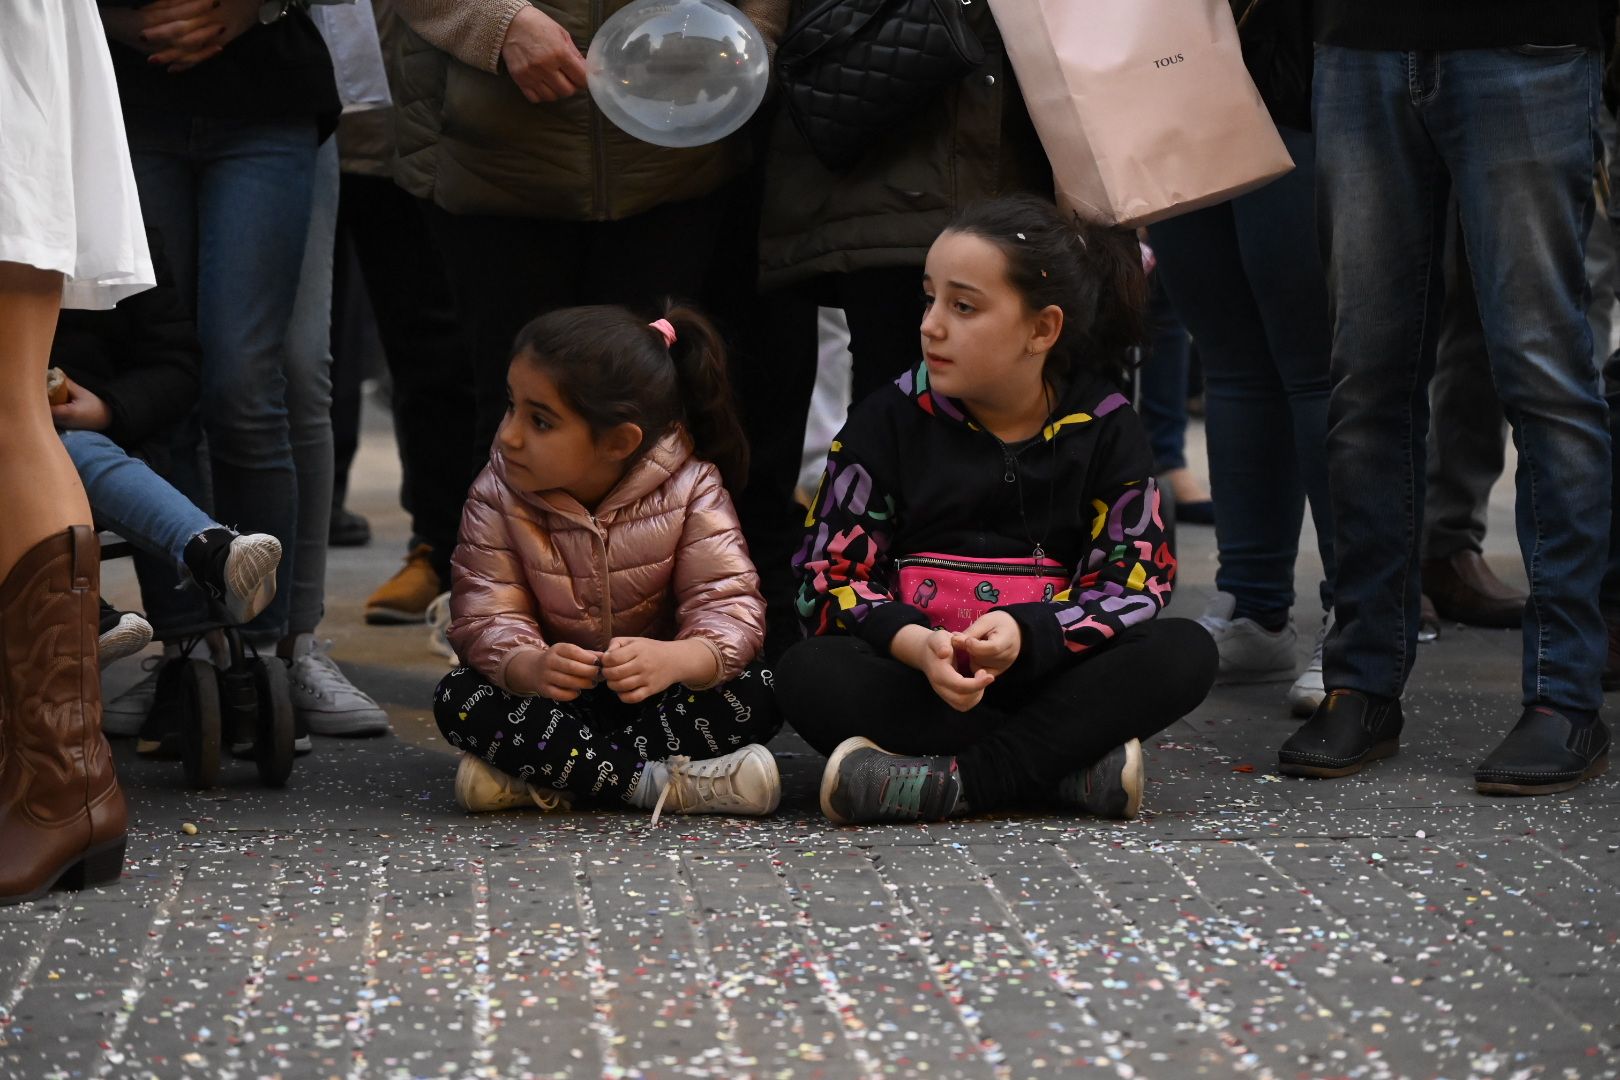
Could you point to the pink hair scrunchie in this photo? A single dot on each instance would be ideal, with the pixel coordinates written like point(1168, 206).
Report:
point(664, 327)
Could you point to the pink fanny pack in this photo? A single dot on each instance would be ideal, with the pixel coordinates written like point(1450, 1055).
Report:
point(954, 591)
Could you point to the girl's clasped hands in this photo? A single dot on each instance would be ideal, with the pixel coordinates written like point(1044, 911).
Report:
point(634, 668)
point(961, 666)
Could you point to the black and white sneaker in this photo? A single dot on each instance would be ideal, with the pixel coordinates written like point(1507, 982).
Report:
point(1111, 787)
point(863, 783)
point(237, 572)
point(123, 633)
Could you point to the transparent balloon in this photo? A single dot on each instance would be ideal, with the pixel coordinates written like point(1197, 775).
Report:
point(678, 72)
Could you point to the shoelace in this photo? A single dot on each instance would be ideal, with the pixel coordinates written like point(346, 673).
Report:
point(550, 800)
point(902, 793)
point(148, 682)
point(320, 656)
point(675, 765)
point(438, 620)
point(681, 767)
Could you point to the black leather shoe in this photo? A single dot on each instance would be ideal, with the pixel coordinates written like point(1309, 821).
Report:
point(1544, 753)
point(1345, 732)
point(348, 529)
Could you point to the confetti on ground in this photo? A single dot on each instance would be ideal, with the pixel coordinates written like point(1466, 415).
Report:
point(1389, 924)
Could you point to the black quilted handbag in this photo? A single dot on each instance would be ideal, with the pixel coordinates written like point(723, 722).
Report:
point(852, 69)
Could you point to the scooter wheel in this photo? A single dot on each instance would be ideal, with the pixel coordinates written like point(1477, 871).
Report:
point(273, 739)
point(199, 722)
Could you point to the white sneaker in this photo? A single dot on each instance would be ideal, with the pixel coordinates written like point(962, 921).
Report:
point(1249, 652)
point(438, 620)
point(481, 788)
point(743, 782)
point(126, 714)
point(128, 636)
point(325, 699)
point(1307, 692)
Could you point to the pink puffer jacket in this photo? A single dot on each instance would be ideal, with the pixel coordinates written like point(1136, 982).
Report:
point(663, 557)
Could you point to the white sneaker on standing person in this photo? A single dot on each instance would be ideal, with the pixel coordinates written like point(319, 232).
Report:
point(324, 699)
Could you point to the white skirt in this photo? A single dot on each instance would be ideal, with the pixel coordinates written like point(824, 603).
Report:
point(67, 193)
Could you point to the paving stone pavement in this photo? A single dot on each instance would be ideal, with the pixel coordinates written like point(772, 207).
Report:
point(357, 925)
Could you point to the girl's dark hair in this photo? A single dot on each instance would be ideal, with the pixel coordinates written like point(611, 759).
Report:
point(612, 367)
point(1094, 273)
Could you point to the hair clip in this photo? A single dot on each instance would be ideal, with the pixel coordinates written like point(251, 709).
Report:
point(1021, 236)
point(664, 327)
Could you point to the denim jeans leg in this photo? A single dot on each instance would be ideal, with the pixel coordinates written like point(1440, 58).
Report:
point(1467, 431)
point(127, 497)
point(1163, 383)
point(1245, 278)
point(1381, 198)
point(309, 399)
point(1518, 131)
point(1609, 594)
point(253, 210)
point(1276, 231)
point(1253, 475)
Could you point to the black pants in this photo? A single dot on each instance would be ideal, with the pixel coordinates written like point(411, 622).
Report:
point(505, 271)
point(1019, 741)
point(595, 745)
point(416, 320)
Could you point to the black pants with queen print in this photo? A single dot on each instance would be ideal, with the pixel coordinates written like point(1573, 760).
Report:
point(594, 746)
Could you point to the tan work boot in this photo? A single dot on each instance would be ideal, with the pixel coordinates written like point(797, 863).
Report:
point(62, 815)
point(404, 598)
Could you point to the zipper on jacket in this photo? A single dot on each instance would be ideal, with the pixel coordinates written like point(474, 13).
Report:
point(1009, 460)
point(607, 574)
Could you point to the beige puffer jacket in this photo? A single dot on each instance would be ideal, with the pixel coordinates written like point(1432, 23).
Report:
point(663, 557)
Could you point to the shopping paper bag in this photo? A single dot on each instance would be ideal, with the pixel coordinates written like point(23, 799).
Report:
point(1144, 106)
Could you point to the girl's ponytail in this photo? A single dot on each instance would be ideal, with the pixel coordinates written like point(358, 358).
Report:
point(1113, 258)
point(711, 417)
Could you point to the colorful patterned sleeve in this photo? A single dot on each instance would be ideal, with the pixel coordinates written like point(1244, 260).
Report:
point(1125, 579)
point(843, 562)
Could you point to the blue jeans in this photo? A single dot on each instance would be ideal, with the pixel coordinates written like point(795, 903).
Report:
point(1247, 282)
point(309, 401)
point(1163, 384)
point(232, 201)
point(127, 497)
point(1513, 131)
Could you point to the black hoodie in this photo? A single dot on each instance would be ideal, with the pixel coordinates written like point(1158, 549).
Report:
point(911, 472)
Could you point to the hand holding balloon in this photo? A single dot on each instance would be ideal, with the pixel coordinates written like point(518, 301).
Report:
point(541, 57)
point(678, 72)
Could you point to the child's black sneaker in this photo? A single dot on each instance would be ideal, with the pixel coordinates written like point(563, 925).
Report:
point(237, 572)
point(865, 783)
point(123, 633)
point(1110, 788)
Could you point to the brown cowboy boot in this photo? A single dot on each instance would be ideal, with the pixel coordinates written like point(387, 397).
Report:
point(62, 815)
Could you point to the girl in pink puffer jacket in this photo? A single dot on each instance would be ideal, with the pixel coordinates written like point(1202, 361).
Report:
point(603, 602)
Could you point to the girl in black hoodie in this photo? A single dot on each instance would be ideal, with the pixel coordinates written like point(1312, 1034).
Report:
point(985, 556)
